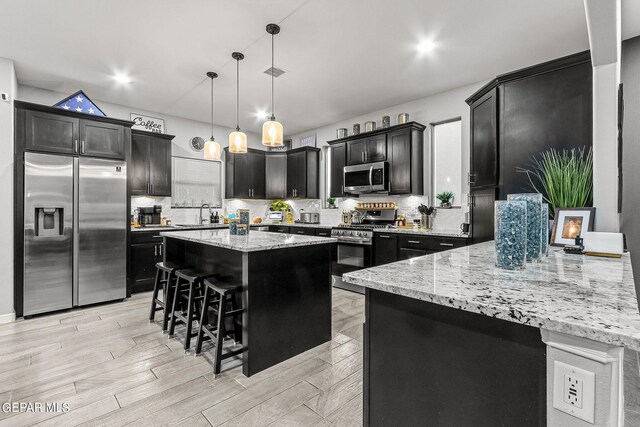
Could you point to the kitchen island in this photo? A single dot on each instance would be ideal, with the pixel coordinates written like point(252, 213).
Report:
point(286, 286)
point(452, 339)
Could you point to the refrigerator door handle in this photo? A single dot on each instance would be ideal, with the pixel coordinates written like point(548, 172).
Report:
point(76, 230)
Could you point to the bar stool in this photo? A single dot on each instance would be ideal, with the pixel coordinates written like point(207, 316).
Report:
point(165, 280)
point(188, 293)
point(218, 296)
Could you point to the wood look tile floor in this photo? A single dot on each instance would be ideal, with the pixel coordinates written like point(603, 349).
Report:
point(114, 368)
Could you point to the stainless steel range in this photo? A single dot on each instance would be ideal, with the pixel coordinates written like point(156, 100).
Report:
point(355, 244)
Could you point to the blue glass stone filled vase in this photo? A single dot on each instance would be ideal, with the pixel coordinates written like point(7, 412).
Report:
point(511, 234)
point(534, 218)
point(545, 229)
point(243, 215)
point(233, 227)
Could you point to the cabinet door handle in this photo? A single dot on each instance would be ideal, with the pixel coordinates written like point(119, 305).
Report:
point(155, 250)
point(342, 189)
point(414, 241)
point(472, 178)
point(160, 247)
point(382, 236)
point(75, 146)
point(446, 244)
point(300, 232)
point(82, 146)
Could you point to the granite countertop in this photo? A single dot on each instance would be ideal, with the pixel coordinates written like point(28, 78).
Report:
point(254, 241)
point(578, 295)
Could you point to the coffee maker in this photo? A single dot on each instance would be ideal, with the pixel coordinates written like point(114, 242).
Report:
point(149, 215)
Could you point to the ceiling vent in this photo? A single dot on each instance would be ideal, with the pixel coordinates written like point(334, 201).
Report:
point(275, 72)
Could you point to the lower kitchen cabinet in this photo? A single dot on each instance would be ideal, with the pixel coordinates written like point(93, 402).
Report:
point(385, 248)
point(391, 247)
point(146, 251)
point(323, 232)
point(279, 229)
point(305, 231)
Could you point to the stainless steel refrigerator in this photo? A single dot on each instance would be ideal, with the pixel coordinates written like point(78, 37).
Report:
point(75, 221)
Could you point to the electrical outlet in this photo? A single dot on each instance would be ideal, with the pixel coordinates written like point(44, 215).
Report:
point(574, 391)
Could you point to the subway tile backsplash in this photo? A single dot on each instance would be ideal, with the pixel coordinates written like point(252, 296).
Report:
point(446, 220)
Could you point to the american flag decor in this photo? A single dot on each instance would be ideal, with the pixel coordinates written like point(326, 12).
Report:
point(80, 103)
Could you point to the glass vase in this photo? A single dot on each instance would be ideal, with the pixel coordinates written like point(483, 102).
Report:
point(511, 234)
point(544, 223)
point(534, 218)
point(243, 215)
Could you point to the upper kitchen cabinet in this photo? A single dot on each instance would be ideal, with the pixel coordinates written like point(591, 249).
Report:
point(52, 130)
point(245, 175)
point(150, 164)
point(338, 160)
point(367, 150)
point(276, 173)
point(484, 141)
point(303, 170)
point(402, 146)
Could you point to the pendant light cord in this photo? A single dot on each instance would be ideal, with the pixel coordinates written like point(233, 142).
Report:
point(237, 94)
point(212, 138)
point(273, 114)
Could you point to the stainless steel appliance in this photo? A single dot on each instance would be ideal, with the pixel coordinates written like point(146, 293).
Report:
point(75, 222)
point(310, 217)
point(367, 178)
point(355, 244)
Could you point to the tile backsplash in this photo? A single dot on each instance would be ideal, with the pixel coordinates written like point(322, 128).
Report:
point(446, 220)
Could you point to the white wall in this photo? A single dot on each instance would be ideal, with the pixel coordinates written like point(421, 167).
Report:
point(435, 108)
point(9, 85)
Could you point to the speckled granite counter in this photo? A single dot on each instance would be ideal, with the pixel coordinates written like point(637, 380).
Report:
point(254, 241)
point(577, 295)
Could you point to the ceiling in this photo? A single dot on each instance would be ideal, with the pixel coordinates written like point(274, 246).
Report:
point(343, 58)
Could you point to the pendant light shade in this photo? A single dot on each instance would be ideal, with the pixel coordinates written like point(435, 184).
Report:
point(272, 131)
point(212, 150)
point(237, 139)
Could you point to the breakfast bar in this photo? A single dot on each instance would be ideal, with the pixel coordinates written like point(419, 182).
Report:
point(286, 286)
point(453, 339)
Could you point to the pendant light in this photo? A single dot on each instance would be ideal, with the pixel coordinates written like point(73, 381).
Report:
point(237, 138)
point(212, 149)
point(272, 132)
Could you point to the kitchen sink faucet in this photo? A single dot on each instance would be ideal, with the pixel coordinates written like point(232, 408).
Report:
point(202, 220)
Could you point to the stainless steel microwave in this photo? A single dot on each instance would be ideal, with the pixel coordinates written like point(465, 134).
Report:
point(367, 178)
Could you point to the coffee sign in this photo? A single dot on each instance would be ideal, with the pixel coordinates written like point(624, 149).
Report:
point(150, 124)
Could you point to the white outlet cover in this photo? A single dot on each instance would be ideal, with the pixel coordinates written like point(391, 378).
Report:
point(574, 391)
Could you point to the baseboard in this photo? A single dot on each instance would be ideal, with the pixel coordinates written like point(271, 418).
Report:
point(7, 318)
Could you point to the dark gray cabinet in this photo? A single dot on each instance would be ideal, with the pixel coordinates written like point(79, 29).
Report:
point(65, 134)
point(484, 141)
point(150, 164)
point(305, 231)
point(338, 161)
point(279, 229)
point(402, 146)
point(276, 176)
point(245, 175)
point(145, 251)
point(391, 247)
point(367, 150)
point(482, 214)
point(303, 170)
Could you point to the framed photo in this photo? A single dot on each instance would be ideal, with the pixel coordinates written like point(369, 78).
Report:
point(570, 223)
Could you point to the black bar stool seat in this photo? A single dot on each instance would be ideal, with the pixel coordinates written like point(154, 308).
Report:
point(186, 303)
point(218, 296)
point(165, 280)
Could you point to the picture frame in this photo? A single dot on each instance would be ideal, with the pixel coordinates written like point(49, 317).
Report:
point(286, 146)
point(570, 223)
point(308, 140)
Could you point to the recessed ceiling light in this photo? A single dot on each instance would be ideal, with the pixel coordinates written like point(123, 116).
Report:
point(426, 46)
point(122, 78)
point(261, 114)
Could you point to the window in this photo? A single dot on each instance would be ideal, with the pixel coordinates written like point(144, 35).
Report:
point(195, 182)
point(446, 158)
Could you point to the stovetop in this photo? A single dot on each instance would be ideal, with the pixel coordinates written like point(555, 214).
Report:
point(356, 233)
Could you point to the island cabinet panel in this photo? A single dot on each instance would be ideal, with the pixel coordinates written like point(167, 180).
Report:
point(338, 162)
point(51, 133)
point(150, 164)
point(385, 248)
point(455, 368)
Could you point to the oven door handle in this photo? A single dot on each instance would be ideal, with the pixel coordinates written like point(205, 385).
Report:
point(371, 175)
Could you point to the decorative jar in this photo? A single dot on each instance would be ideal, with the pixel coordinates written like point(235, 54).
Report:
point(356, 129)
point(369, 126)
point(243, 216)
point(341, 133)
point(403, 118)
point(233, 227)
point(511, 234)
point(534, 219)
point(386, 121)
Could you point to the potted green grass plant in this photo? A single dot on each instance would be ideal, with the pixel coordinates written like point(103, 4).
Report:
point(446, 197)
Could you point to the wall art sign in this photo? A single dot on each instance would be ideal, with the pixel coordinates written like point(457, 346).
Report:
point(308, 140)
point(150, 124)
point(286, 146)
